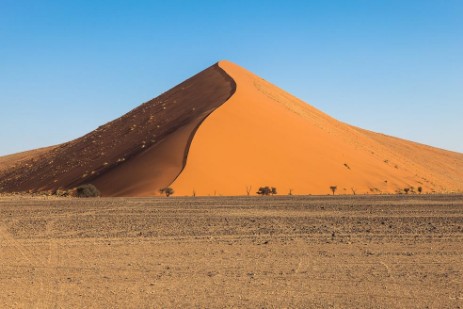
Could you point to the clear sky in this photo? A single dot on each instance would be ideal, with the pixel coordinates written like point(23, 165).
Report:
point(394, 67)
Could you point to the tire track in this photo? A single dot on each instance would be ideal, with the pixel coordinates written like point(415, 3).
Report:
point(34, 263)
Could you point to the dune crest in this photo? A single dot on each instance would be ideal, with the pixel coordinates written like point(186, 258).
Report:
point(226, 131)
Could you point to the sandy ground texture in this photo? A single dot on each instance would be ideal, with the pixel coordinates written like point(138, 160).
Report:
point(240, 252)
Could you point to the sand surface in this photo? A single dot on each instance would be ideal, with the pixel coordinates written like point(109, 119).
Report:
point(264, 136)
point(134, 155)
point(228, 132)
point(280, 252)
point(20, 158)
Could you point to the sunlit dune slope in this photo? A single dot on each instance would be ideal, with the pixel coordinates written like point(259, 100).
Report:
point(264, 136)
point(134, 155)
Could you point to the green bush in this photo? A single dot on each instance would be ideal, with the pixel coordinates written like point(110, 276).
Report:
point(87, 190)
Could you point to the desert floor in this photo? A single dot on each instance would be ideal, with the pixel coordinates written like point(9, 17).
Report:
point(265, 252)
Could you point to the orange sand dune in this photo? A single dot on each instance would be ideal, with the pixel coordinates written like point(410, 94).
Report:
point(226, 131)
point(264, 136)
point(134, 155)
point(18, 158)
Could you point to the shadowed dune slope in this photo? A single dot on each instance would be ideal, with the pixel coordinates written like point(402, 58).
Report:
point(17, 159)
point(134, 155)
point(264, 136)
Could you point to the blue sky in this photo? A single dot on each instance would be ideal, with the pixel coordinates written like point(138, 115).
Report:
point(394, 67)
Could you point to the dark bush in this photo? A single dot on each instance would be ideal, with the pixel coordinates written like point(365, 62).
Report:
point(168, 191)
point(267, 190)
point(87, 190)
point(264, 191)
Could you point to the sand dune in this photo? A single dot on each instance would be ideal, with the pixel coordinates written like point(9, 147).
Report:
point(16, 159)
point(133, 155)
point(226, 131)
point(265, 136)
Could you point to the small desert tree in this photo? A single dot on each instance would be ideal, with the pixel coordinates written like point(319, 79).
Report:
point(273, 190)
point(333, 188)
point(168, 191)
point(406, 190)
point(420, 189)
point(264, 191)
